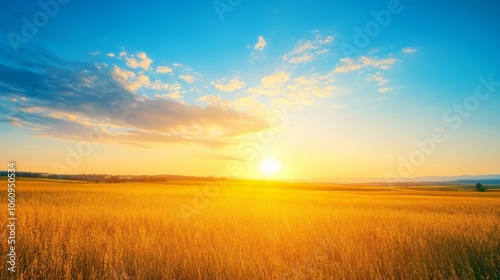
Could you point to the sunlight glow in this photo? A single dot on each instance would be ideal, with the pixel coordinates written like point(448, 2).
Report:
point(270, 166)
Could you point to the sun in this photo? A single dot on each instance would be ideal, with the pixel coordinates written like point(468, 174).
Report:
point(270, 166)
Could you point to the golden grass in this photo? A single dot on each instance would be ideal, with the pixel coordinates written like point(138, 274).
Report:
point(137, 231)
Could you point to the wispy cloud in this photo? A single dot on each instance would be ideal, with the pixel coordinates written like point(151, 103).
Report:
point(60, 99)
point(383, 64)
point(163, 69)
point(221, 157)
point(380, 80)
point(297, 92)
point(346, 65)
point(409, 50)
point(187, 78)
point(175, 91)
point(275, 79)
point(349, 64)
point(232, 85)
point(140, 60)
point(304, 88)
point(261, 44)
point(308, 50)
point(271, 85)
point(129, 79)
point(211, 100)
point(383, 90)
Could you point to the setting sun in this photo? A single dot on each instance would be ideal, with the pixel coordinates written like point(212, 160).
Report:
point(270, 166)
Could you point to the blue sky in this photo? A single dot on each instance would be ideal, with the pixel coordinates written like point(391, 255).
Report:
point(181, 82)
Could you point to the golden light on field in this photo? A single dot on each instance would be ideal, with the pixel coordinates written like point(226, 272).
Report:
point(270, 166)
point(155, 230)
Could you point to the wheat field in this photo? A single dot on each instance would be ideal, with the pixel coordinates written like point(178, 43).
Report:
point(73, 230)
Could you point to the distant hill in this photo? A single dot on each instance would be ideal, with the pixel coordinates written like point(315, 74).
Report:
point(482, 181)
point(465, 179)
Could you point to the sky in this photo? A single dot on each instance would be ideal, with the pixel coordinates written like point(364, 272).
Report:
point(254, 89)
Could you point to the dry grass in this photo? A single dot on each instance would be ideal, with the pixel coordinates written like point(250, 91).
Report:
point(136, 231)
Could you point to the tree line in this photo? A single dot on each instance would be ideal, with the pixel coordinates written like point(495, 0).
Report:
point(106, 178)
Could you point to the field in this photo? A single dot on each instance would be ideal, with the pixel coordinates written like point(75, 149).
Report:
point(73, 230)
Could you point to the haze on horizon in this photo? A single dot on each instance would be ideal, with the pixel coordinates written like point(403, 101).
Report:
point(253, 89)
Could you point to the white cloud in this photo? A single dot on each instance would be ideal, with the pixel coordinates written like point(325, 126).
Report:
point(110, 54)
point(296, 92)
point(302, 47)
point(163, 69)
point(211, 100)
point(301, 59)
point(142, 55)
point(261, 44)
point(124, 74)
point(132, 62)
point(409, 50)
point(143, 61)
point(326, 40)
point(129, 79)
point(379, 78)
point(174, 95)
point(233, 84)
point(383, 64)
point(305, 86)
point(323, 51)
point(306, 51)
point(175, 91)
point(271, 85)
point(349, 64)
point(346, 65)
point(187, 78)
point(176, 86)
point(142, 80)
point(159, 85)
point(276, 78)
point(250, 104)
